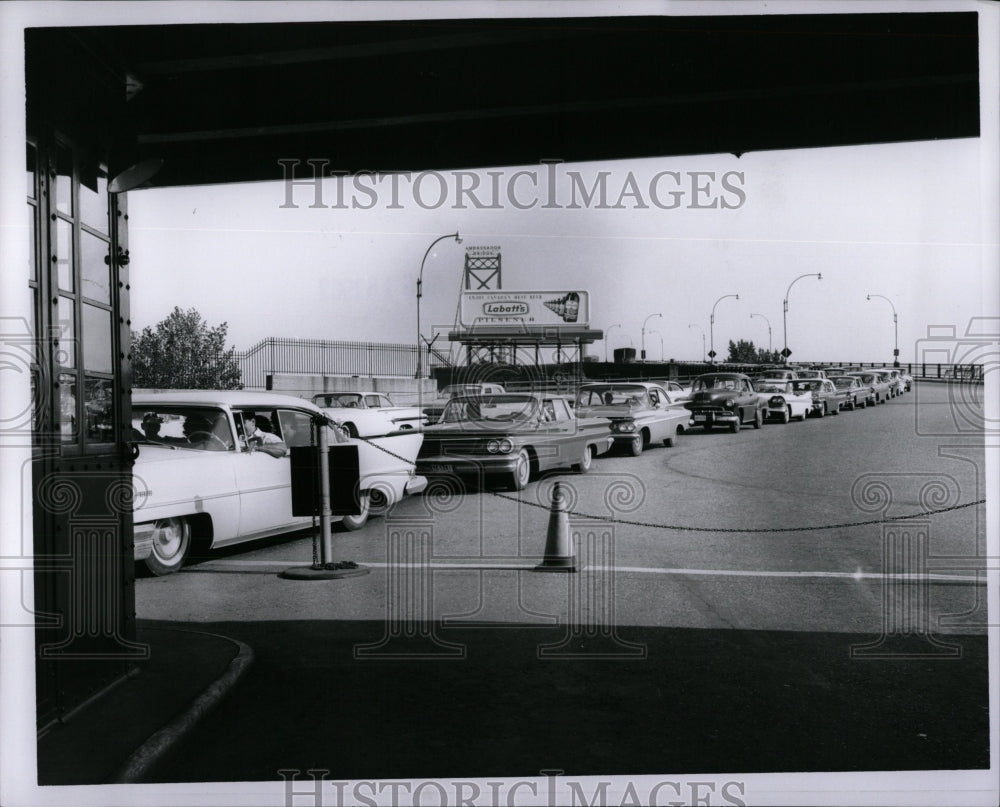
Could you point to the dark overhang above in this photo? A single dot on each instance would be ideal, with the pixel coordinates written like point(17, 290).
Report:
point(224, 103)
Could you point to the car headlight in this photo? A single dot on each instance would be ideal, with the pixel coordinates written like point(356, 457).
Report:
point(730, 403)
point(506, 446)
point(493, 446)
point(624, 426)
point(777, 400)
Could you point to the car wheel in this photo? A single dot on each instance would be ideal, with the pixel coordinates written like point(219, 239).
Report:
point(786, 415)
point(672, 439)
point(378, 501)
point(352, 430)
point(734, 427)
point(356, 522)
point(852, 404)
point(586, 461)
point(635, 447)
point(758, 419)
point(171, 542)
point(522, 471)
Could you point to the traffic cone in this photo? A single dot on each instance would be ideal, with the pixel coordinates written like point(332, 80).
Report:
point(559, 555)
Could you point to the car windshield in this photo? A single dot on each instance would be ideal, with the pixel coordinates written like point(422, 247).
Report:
point(807, 386)
point(774, 374)
point(716, 383)
point(844, 381)
point(491, 409)
point(772, 386)
point(613, 395)
point(198, 428)
point(345, 400)
point(455, 390)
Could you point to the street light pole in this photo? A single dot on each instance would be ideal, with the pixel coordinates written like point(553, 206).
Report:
point(818, 276)
point(693, 325)
point(616, 325)
point(769, 348)
point(647, 319)
point(895, 327)
point(420, 293)
point(661, 342)
point(711, 323)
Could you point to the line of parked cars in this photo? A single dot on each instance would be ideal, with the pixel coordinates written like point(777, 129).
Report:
point(215, 466)
point(490, 436)
point(782, 394)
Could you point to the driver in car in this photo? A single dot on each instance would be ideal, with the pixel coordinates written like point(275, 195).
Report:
point(255, 439)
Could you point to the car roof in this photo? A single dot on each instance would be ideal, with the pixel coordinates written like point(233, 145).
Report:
point(538, 396)
point(620, 384)
point(231, 398)
point(723, 375)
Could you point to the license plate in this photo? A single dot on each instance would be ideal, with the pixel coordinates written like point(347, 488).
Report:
point(700, 418)
point(440, 468)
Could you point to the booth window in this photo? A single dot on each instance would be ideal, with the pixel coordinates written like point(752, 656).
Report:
point(85, 353)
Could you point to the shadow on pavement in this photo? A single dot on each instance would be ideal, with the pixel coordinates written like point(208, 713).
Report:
point(673, 700)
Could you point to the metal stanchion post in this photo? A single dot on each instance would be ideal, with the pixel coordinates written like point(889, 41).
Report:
point(326, 568)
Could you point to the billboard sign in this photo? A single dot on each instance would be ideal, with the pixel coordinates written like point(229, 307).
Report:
point(566, 307)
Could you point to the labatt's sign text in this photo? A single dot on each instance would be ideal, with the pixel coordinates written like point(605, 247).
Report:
point(566, 307)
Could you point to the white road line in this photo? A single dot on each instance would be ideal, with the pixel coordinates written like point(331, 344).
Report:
point(513, 566)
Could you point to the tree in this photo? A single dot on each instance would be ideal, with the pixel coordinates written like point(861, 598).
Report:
point(742, 352)
point(184, 353)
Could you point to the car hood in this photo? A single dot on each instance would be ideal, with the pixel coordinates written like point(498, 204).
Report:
point(477, 427)
point(615, 411)
point(710, 397)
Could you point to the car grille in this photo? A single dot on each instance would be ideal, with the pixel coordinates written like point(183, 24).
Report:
point(435, 447)
point(712, 410)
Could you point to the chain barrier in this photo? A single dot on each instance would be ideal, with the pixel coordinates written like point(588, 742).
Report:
point(386, 450)
point(683, 528)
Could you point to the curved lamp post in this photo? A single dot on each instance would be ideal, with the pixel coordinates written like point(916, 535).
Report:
point(647, 319)
point(711, 324)
point(818, 276)
point(693, 325)
point(420, 293)
point(616, 325)
point(895, 327)
point(768, 329)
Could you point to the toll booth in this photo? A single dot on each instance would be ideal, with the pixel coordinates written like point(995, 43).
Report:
point(80, 468)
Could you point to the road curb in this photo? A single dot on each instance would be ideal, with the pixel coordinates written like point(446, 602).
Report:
point(161, 742)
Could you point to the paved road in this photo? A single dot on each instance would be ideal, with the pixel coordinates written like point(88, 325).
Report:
point(763, 567)
point(739, 648)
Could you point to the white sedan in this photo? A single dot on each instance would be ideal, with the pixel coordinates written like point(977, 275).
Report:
point(200, 475)
point(368, 414)
point(781, 402)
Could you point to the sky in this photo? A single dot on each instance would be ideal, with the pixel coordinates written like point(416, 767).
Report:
point(670, 236)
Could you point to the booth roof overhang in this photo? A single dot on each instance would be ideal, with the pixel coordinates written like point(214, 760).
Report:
point(223, 103)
